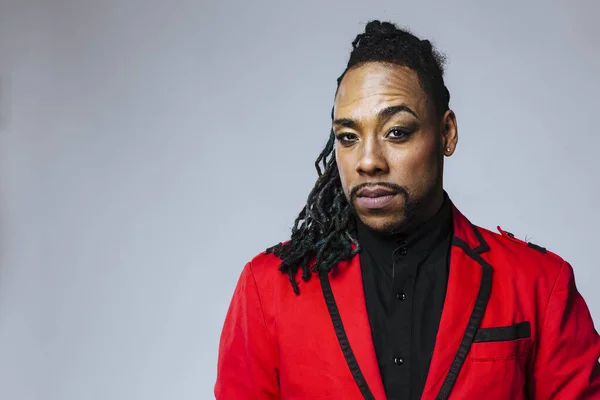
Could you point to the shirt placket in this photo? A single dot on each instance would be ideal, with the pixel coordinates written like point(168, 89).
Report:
point(400, 322)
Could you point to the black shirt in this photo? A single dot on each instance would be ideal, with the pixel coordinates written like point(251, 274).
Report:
point(405, 279)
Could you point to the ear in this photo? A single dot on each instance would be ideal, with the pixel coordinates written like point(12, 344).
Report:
point(449, 131)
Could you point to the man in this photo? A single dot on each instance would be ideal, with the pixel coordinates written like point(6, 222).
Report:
point(385, 289)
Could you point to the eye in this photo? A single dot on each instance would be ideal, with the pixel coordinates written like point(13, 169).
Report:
point(398, 133)
point(346, 138)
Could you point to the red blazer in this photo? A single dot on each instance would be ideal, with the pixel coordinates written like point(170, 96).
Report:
point(513, 327)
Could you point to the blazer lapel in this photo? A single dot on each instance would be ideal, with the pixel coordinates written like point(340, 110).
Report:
point(469, 285)
point(344, 295)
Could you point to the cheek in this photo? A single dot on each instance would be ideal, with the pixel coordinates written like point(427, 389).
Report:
point(344, 170)
point(418, 165)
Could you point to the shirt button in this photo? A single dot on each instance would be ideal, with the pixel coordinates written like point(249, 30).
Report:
point(401, 296)
point(398, 360)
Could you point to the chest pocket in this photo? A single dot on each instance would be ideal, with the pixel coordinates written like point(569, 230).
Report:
point(496, 364)
point(501, 343)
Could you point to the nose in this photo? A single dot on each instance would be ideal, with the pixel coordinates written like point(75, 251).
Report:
point(372, 161)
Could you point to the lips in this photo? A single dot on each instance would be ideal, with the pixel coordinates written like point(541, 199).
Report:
point(375, 198)
point(375, 192)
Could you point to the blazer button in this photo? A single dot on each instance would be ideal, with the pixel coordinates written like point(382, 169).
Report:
point(398, 360)
point(401, 296)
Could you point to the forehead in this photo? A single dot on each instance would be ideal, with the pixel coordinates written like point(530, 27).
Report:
point(366, 89)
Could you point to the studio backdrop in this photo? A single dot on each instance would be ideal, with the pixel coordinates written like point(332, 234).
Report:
point(149, 149)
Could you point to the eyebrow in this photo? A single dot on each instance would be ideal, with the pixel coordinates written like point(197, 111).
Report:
point(383, 114)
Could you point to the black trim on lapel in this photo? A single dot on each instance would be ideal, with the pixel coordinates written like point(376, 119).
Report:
point(340, 332)
point(483, 246)
point(483, 296)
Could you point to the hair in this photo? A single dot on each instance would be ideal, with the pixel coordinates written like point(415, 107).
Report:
point(325, 229)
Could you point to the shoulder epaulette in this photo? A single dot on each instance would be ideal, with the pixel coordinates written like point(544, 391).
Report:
point(512, 237)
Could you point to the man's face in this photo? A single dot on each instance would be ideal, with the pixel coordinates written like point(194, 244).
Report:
point(389, 146)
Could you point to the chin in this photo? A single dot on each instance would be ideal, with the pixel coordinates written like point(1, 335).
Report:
point(384, 224)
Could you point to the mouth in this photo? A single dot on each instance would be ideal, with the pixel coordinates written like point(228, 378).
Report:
point(375, 198)
point(375, 192)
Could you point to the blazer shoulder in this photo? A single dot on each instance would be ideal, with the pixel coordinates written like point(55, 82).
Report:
point(265, 268)
point(264, 261)
point(508, 246)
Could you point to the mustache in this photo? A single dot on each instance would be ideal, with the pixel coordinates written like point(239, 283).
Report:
point(393, 186)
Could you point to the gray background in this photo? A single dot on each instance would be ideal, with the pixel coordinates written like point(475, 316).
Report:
point(148, 149)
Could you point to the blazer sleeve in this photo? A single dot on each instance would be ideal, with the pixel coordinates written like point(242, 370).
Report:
point(247, 367)
point(566, 365)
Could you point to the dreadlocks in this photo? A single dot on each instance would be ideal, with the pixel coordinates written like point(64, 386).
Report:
point(324, 231)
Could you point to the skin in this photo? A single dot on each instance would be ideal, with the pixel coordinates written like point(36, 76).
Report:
point(403, 150)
